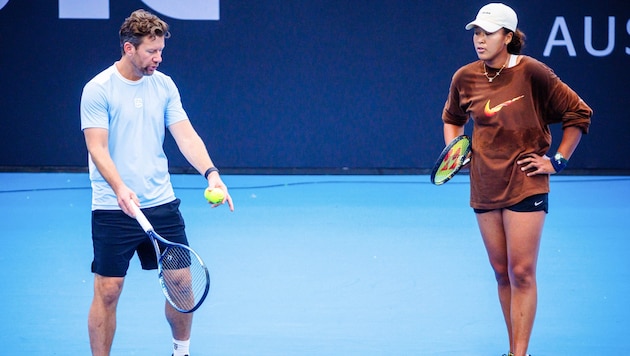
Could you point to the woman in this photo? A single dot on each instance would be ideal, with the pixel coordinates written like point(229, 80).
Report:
point(512, 99)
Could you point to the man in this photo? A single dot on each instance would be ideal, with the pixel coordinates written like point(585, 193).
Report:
point(124, 113)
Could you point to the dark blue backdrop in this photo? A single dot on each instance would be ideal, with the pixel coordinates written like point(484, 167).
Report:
point(283, 85)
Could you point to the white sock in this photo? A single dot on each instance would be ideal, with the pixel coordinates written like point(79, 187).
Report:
point(180, 348)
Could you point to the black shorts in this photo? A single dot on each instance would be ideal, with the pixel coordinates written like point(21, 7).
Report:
point(116, 237)
point(538, 202)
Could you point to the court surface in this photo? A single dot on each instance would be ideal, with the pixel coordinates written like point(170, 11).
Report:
point(322, 265)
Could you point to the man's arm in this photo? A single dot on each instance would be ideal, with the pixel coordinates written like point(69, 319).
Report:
point(96, 140)
point(196, 153)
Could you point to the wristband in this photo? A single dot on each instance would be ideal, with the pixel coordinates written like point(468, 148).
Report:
point(210, 170)
point(559, 162)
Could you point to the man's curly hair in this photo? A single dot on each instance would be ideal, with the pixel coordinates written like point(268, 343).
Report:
point(140, 24)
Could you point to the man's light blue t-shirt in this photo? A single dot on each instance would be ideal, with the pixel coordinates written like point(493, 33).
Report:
point(136, 115)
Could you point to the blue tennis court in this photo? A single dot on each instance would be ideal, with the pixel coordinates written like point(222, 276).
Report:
point(317, 265)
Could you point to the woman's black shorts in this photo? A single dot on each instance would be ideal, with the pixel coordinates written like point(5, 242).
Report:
point(538, 202)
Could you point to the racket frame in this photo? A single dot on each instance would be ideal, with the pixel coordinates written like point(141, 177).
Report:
point(459, 161)
point(156, 239)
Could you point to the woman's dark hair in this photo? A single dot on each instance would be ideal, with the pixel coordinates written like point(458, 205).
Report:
point(518, 41)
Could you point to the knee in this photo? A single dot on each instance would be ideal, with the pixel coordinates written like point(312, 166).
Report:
point(523, 276)
point(501, 273)
point(108, 290)
point(502, 277)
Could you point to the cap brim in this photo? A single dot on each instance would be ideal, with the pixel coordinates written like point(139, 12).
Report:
point(485, 25)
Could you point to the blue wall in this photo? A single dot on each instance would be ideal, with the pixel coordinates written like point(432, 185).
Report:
point(297, 84)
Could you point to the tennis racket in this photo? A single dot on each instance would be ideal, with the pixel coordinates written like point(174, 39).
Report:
point(453, 157)
point(183, 276)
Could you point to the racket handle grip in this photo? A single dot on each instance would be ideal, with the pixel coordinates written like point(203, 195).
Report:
point(142, 220)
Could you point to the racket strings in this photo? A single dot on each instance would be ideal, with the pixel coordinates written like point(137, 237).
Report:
point(183, 277)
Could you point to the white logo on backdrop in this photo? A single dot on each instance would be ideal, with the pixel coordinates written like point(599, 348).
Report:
point(560, 36)
point(181, 9)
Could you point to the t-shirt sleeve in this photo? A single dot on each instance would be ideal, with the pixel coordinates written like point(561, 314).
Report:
point(94, 107)
point(174, 109)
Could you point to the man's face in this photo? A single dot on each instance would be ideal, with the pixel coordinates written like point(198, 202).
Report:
point(148, 56)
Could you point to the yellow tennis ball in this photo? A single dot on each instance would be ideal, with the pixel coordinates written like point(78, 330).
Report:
point(214, 195)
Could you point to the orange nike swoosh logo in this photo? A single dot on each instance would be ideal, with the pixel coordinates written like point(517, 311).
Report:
point(491, 112)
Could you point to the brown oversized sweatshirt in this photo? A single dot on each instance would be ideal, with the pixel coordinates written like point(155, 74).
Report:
point(511, 115)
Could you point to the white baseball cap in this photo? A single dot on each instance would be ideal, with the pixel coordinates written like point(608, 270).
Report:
point(493, 17)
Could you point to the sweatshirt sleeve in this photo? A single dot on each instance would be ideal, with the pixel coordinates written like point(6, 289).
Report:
point(560, 104)
point(454, 112)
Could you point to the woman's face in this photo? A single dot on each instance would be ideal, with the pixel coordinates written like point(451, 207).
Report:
point(491, 47)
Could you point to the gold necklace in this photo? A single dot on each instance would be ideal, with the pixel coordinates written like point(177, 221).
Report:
point(490, 79)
